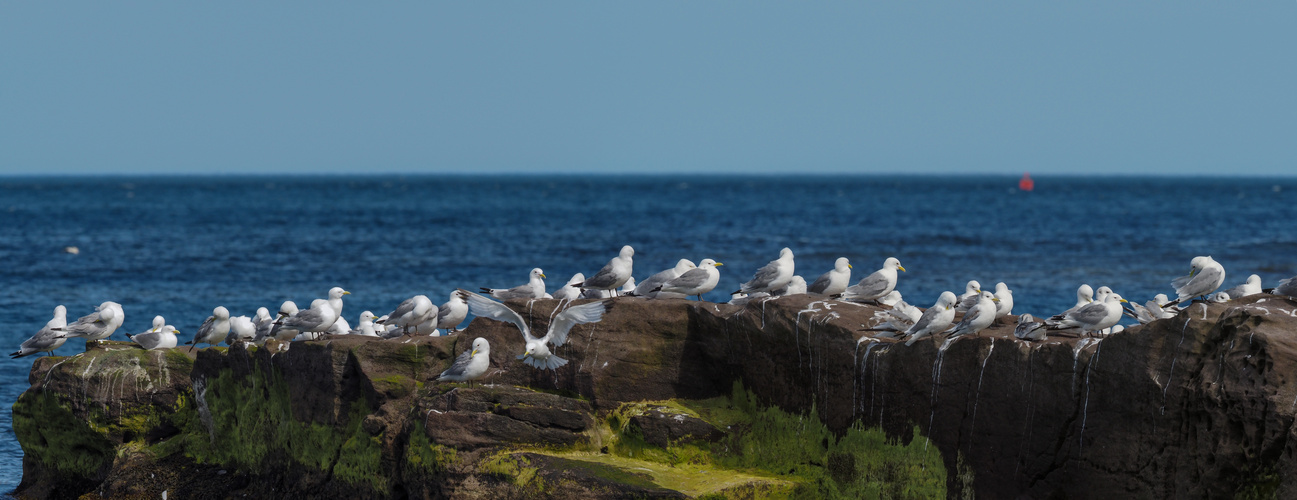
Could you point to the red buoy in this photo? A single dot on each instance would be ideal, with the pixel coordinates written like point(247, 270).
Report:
point(1026, 184)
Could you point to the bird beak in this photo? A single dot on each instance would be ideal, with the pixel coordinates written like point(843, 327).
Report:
point(1124, 300)
point(902, 268)
point(474, 353)
point(995, 300)
point(542, 275)
point(849, 266)
point(1192, 272)
point(979, 290)
point(526, 354)
point(344, 292)
point(718, 264)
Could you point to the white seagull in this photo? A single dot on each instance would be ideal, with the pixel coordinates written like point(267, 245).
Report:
point(614, 274)
point(48, 338)
point(533, 289)
point(772, 276)
point(471, 364)
point(538, 354)
point(833, 282)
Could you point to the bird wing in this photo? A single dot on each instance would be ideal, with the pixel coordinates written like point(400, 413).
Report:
point(821, 283)
point(692, 278)
point(204, 330)
point(308, 318)
point(43, 339)
point(405, 308)
point(487, 308)
point(870, 286)
point(969, 317)
point(575, 315)
point(1091, 314)
point(461, 364)
point(1213, 275)
point(924, 321)
point(764, 276)
point(603, 278)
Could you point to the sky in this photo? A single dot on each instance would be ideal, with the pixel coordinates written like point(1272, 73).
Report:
point(1107, 87)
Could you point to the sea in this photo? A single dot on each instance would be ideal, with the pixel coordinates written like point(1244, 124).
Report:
point(179, 246)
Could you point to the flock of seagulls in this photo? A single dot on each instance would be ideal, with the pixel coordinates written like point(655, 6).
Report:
point(1096, 312)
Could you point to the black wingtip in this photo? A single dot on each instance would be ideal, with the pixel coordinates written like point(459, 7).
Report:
point(736, 291)
point(16, 355)
point(483, 289)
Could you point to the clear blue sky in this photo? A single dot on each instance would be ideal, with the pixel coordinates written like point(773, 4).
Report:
point(1150, 87)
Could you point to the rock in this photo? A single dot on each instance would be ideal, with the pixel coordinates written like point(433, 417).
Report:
point(1199, 405)
point(661, 427)
point(466, 418)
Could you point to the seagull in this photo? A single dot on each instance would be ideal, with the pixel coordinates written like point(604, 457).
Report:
point(214, 329)
point(163, 338)
point(1004, 306)
point(833, 282)
point(471, 364)
point(158, 323)
point(1094, 317)
point(614, 274)
point(1151, 311)
point(48, 338)
point(412, 313)
point(891, 299)
point(980, 316)
point(453, 312)
point(534, 289)
point(646, 288)
point(1218, 297)
point(796, 286)
point(264, 324)
point(1029, 329)
point(935, 319)
point(567, 291)
point(772, 276)
point(322, 314)
point(242, 329)
point(972, 293)
point(98, 325)
point(876, 285)
point(287, 310)
point(898, 318)
point(1250, 287)
point(697, 281)
point(1286, 287)
point(538, 354)
point(1084, 296)
point(340, 327)
point(1205, 276)
point(366, 326)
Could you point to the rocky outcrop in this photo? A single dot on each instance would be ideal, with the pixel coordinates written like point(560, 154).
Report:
point(1200, 405)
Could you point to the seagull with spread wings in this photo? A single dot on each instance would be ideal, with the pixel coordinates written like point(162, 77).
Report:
point(538, 354)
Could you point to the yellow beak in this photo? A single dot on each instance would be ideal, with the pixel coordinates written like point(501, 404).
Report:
point(344, 292)
point(542, 275)
point(902, 268)
point(474, 353)
point(718, 264)
point(1124, 300)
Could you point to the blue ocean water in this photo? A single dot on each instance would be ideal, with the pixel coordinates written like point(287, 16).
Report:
point(181, 246)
